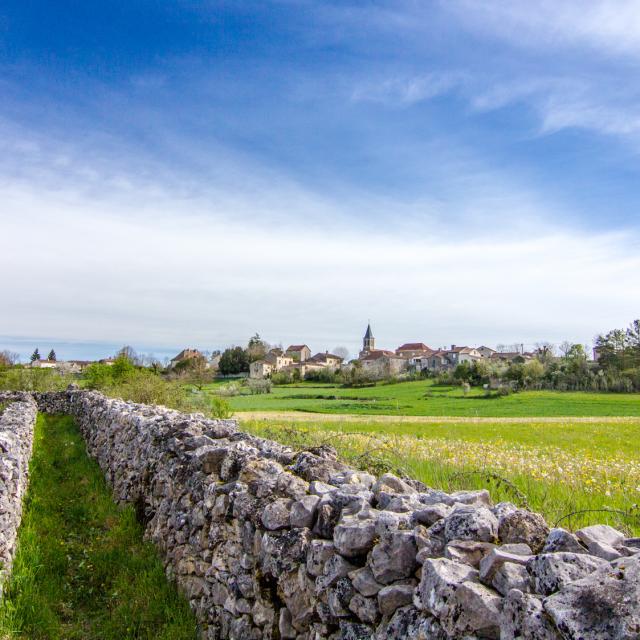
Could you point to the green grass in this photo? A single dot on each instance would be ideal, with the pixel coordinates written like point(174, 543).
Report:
point(558, 468)
point(82, 570)
point(423, 398)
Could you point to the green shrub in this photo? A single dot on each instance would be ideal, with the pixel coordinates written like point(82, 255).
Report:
point(220, 408)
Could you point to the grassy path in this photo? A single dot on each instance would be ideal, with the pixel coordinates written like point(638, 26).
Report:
point(82, 570)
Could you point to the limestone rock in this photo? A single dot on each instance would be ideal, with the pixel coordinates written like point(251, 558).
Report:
point(474, 609)
point(354, 535)
point(468, 551)
point(276, 515)
point(552, 571)
point(394, 557)
point(469, 523)
point(393, 597)
point(603, 605)
point(440, 580)
point(562, 540)
point(523, 618)
point(303, 512)
point(523, 526)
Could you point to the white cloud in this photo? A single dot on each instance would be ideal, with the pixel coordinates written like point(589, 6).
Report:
point(405, 91)
point(611, 27)
point(129, 268)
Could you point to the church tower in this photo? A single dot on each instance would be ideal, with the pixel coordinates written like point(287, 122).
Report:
point(368, 342)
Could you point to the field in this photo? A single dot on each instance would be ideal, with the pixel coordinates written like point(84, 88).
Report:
point(555, 466)
point(422, 398)
point(557, 452)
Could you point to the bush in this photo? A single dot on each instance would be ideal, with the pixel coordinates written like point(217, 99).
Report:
point(259, 386)
point(220, 408)
point(39, 380)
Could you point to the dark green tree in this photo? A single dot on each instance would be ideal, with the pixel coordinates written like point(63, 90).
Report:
point(233, 361)
point(35, 355)
point(52, 356)
point(257, 348)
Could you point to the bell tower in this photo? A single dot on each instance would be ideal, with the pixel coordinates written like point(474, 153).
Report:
point(368, 342)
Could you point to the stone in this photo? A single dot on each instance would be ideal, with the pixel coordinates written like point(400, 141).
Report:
point(440, 580)
point(366, 609)
point(339, 598)
point(523, 618)
point(468, 551)
point(524, 527)
point(284, 624)
point(354, 631)
point(478, 498)
point(392, 484)
point(394, 557)
point(603, 605)
point(552, 571)
point(303, 512)
point(601, 533)
point(393, 597)
point(511, 576)
point(474, 609)
point(276, 515)
point(335, 568)
point(562, 540)
point(364, 582)
point(431, 514)
point(319, 552)
point(354, 535)
point(495, 559)
point(470, 523)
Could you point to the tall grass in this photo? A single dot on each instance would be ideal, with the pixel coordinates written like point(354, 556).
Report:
point(548, 479)
point(82, 570)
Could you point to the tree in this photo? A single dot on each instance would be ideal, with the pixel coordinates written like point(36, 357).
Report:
point(129, 353)
point(52, 356)
point(545, 351)
point(565, 347)
point(233, 360)
point(35, 355)
point(257, 348)
point(343, 352)
point(8, 358)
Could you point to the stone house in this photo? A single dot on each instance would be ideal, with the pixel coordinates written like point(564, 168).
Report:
point(273, 362)
point(383, 364)
point(184, 356)
point(327, 360)
point(43, 364)
point(299, 352)
point(414, 350)
point(486, 352)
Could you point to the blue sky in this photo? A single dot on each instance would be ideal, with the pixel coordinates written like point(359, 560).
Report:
point(188, 173)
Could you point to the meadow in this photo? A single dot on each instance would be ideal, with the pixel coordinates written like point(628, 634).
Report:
point(557, 467)
point(424, 398)
point(556, 452)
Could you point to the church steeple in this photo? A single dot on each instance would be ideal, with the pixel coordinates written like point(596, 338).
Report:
point(368, 342)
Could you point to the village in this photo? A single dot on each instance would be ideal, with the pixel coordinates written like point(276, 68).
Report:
point(414, 357)
point(298, 360)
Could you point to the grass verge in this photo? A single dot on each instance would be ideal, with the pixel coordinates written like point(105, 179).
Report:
point(82, 570)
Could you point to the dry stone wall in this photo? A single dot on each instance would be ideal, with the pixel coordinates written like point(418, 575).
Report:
point(17, 422)
point(268, 543)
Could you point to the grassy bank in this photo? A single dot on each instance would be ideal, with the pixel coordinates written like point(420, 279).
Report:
point(82, 570)
point(423, 398)
point(556, 468)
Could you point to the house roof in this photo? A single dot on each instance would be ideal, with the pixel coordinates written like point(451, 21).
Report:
point(323, 357)
point(380, 353)
point(486, 348)
point(414, 346)
point(185, 354)
point(297, 347)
